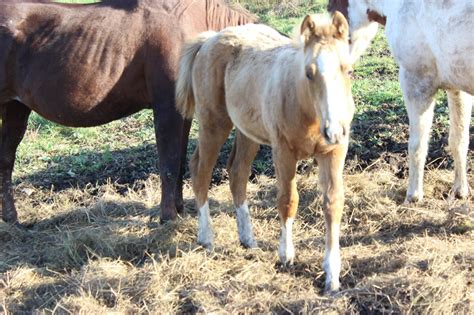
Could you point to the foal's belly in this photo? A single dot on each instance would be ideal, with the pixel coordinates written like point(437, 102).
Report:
point(248, 119)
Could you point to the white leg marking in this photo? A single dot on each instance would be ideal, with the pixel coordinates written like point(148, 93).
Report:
point(205, 234)
point(460, 109)
point(287, 250)
point(244, 225)
point(332, 258)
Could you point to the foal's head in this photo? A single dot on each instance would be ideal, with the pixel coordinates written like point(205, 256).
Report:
point(328, 71)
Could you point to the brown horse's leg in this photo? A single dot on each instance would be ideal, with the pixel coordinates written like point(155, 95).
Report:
point(14, 121)
point(168, 129)
point(287, 199)
point(212, 135)
point(330, 176)
point(184, 150)
point(240, 161)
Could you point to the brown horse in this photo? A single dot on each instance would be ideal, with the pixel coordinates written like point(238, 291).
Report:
point(86, 65)
point(295, 97)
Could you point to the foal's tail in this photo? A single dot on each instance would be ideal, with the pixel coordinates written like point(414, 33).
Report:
point(185, 102)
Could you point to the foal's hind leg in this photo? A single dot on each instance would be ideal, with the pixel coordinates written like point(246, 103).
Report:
point(14, 117)
point(460, 108)
point(240, 161)
point(213, 131)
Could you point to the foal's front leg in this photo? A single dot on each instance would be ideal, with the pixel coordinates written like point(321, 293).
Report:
point(330, 176)
point(287, 200)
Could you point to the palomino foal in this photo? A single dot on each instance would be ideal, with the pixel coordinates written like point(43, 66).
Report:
point(432, 42)
point(294, 96)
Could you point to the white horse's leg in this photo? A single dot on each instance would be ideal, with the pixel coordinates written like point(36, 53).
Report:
point(460, 109)
point(418, 94)
point(331, 167)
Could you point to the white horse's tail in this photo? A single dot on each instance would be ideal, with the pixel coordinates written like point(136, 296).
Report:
point(185, 102)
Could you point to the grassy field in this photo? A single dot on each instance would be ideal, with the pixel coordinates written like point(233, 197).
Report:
point(86, 196)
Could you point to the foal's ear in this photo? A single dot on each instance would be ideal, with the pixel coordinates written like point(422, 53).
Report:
point(307, 28)
point(341, 25)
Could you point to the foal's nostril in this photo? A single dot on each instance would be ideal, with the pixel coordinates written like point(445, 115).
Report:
point(326, 135)
point(330, 139)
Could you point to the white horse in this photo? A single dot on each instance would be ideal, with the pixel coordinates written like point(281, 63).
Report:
point(433, 43)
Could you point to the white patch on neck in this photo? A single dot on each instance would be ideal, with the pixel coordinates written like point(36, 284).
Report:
point(244, 225)
point(205, 234)
point(287, 250)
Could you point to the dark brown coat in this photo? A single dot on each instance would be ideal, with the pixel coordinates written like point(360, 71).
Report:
point(86, 65)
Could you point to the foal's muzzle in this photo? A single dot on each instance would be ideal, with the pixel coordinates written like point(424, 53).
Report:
point(335, 133)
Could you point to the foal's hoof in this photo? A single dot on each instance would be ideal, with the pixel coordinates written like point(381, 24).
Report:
point(412, 199)
point(247, 240)
point(287, 261)
point(249, 244)
point(331, 289)
point(206, 245)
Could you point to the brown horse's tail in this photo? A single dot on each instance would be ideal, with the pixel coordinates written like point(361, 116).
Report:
point(185, 102)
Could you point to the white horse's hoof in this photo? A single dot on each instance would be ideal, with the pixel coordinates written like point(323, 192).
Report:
point(461, 192)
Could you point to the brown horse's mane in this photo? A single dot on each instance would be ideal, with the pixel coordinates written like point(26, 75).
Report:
point(223, 12)
point(219, 12)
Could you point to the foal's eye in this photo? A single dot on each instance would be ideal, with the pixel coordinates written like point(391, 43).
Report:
point(309, 75)
point(350, 73)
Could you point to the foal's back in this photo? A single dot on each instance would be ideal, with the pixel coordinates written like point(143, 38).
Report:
point(245, 62)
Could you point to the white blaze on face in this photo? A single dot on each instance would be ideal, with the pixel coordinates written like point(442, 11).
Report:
point(333, 111)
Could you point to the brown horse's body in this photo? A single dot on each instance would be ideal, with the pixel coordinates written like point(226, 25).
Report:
point(87, 65)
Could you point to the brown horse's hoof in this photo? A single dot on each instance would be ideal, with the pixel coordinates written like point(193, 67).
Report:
point(180, 206)
point(167, 216)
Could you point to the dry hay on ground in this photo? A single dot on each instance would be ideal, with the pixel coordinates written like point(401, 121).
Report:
point(94, 250)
